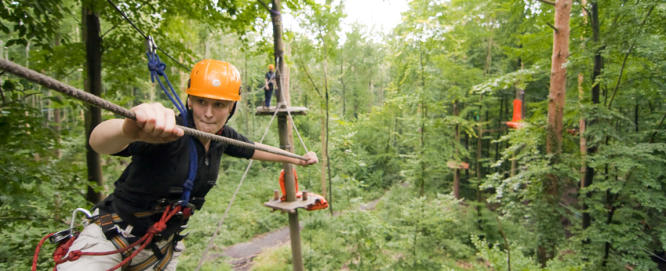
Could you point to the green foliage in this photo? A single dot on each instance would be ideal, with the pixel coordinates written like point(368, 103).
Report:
point(423, 234)
point(518, 78)
point(624, 197)
point(39, 19)
point(39, 187)
point(497, 258)
point(392, 126)
point(274, 259)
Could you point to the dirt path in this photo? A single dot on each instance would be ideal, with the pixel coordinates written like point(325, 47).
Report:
point(242, 254)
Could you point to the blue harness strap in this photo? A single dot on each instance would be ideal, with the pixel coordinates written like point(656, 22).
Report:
point(157, 67)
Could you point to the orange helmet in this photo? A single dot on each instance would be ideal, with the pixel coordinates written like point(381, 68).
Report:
point(271, 67)
point(214, 79)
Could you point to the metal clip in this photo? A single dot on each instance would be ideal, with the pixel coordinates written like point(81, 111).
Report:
point(68, 233)
point(61, 236)
point(151, 47)
point(127, 232)
point(84, 211)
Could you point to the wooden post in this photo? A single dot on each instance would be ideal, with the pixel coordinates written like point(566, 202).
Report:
point(286, 136)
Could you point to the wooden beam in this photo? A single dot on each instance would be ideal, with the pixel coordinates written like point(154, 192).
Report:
point(282, 111)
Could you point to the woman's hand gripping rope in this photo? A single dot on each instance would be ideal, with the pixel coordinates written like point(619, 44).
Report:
point(154, 124)
point(312, 159)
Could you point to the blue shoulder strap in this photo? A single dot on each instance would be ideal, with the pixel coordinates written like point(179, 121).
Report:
point(157, 67)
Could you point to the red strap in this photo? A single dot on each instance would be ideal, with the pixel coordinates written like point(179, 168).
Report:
point(61, 251)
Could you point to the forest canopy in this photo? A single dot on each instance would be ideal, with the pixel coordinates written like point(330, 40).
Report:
point(480, 149)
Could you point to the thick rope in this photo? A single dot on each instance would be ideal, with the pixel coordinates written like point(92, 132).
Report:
point(56, 85)
point(39, 246)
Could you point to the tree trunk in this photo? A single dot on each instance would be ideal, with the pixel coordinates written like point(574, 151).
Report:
point(558, 80)
point(57, 119)
point(342, 83)
point(519, 94)
point(456, 172)
point(324, 162)
point(498, 129)
point(556, 98)
point(326, 126)
point(479, 145)
point(422, 118)
point(92, 84)
point(285, 129)
point(596, 72)
point(328, 158)
point(479, 142)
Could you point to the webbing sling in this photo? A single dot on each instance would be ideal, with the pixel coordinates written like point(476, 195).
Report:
point(159, 263)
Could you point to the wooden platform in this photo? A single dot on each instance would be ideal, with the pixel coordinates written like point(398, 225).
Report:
point(311, 202)
point(294, 110)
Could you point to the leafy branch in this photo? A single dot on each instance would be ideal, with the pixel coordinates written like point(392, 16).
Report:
point(307, 73)
point(626, 56)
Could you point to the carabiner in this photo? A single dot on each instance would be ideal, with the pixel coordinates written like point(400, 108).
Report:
point(84, 211)
point(151, 47)
point(64, 235)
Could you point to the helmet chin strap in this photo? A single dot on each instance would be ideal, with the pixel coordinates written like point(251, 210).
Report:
point(233, 109)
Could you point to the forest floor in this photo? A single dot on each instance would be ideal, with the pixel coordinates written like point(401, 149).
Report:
point(242, 254)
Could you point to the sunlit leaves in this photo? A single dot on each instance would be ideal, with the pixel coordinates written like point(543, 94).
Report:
point(519, 79)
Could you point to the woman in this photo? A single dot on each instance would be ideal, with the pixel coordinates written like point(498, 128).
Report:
point(160, 167)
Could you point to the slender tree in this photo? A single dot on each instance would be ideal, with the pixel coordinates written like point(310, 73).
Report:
point(556, 98)
point(558, 79)
point(92, 84)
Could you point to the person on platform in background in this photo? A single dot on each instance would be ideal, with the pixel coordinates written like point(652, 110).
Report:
point(269, 85)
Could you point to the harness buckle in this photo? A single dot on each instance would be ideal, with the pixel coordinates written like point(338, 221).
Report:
point(185, 205)
point(127, 232)
point(187, 210)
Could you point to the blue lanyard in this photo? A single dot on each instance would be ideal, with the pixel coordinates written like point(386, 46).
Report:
point(157, 68)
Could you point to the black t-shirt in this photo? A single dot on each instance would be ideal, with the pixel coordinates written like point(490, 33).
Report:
point(158, 171)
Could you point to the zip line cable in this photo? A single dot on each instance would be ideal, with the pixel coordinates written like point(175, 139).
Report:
point(91, 99)
point(144, 34)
